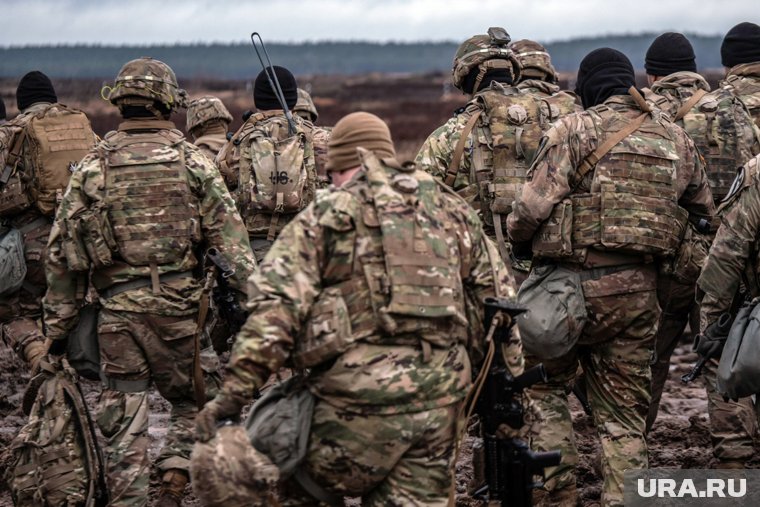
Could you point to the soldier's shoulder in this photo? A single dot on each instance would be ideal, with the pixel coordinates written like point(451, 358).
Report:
point(748, 176)
point(337, 207)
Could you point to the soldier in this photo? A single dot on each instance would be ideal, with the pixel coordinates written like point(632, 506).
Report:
point(207, 123)
point(685, 95)
point(36, 170)
point(306, 109)
point(537, 74)
point(612, 255)
point(466, 153)
point(271, 190)
point(388, 391)
point(740, 55)
point(733, 259)
point(137, 207)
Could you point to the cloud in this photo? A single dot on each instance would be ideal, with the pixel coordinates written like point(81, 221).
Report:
point(169, 21)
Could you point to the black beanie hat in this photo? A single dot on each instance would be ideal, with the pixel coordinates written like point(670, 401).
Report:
point(604, 72)
point(741, 45)
point(34, 87)
point(264, 96)
point(670, 52)
point(2, 109)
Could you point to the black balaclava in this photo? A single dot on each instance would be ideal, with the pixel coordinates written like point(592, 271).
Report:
point(265, 98)
point(670, 52)
point(741, 45)
point(3, 114)
point(34, 87)
point(500, 75)
point(604, 72)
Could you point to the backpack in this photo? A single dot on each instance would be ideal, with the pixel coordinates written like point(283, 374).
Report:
point(54, 140)
point(55, 458)
point(276, 169)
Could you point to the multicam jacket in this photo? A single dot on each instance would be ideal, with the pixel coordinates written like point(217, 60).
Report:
point(734, 254)
point(718, 122)
point(219, 226)
point(333, 260)
point(554, 174)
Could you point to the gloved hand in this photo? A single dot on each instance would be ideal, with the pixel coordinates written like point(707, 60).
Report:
point(708, 346)
point(224, 406)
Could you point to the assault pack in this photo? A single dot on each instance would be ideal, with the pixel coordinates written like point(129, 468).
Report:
point(516, 120)
point(277, 174)
point(51, 142)
point(56, 459)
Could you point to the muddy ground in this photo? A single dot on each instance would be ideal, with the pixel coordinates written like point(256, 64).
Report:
point(680, 438)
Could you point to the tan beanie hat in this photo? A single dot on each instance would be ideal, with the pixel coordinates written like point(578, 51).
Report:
point(357, 130)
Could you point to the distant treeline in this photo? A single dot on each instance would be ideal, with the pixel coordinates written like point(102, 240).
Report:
point(237, 61)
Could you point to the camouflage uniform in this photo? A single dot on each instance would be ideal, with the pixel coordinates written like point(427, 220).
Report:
point(733, 253)
point(207, 122)
point(385, 419)
point(524, 110)
point(732, 424)
point(21, 313)
point(743, 81)
point(616, 345)
point(263, 227)
point(147, 325)
point(306, 109)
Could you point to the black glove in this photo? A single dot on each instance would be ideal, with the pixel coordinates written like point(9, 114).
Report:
point(708, 346)
point(224, 406)
point(522, 251)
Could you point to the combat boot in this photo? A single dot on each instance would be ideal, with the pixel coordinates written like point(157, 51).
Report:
point(33, 351)
point(172, 488)
point(565, 497)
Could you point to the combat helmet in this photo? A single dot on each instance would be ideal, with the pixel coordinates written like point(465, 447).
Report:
point(484, 52)
point(305, 107)
point(535, 61)
point(205, 109)
point(227, 471)
point(144, 81)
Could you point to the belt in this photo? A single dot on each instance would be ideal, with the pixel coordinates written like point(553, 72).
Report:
point(139, 283)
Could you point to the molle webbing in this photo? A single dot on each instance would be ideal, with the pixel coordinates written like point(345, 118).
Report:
point(151, 208)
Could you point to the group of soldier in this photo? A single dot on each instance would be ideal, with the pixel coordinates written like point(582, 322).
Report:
point(366, 276)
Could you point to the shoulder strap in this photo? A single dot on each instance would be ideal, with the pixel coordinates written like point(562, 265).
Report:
point(686, 106)
point(590, 162)
point(456, 159)
point(15, 152)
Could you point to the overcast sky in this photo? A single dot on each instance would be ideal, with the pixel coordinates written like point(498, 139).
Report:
point(169, 21)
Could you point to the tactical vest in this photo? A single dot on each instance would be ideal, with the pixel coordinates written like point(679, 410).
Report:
point(516, 120)
point(392, 276)
point(277, 174)
point(151, 210)
point(633, 204)
point(722, 130)
point(51, 142)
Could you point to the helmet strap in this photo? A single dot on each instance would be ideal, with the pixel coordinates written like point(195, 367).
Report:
point(484, 67)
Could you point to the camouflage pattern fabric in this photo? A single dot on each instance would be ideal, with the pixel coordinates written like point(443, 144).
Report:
point(387, 383)
point(211, 143)
point(238, 153)
point(144, 347)
point(145, 334)
point(320, 137)
point(617, 344)
point(144, 81)
point(220, 226)
point(535, 62)
point(305, 107)
point(732, 425)
point(743, 81)
point(402, 459)
point(614, 354)
point(205, 109)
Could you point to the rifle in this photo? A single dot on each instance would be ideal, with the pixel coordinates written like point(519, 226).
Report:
point(225, 297)
point(510, 464)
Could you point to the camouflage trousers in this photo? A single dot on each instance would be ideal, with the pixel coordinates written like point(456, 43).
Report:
point(678, 304)
point(733, 424)
point(614, 352)
point(136, 349)
point(388, 460)
point(22, 335)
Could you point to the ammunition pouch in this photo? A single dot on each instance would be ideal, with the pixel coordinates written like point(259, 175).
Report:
point(327, 330)
point(691, 255)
